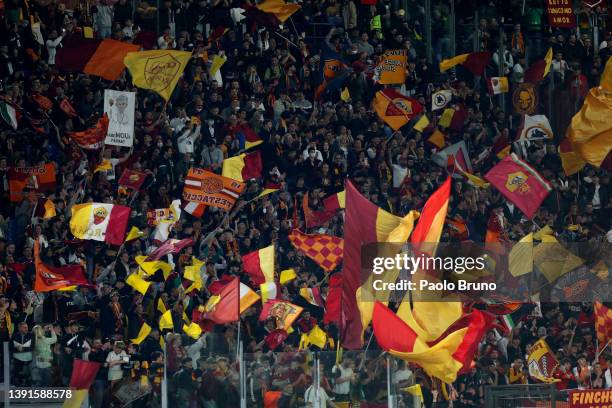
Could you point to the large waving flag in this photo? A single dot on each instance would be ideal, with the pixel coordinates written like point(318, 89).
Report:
point(100, 222)
point(103, 58)
point(476, 62)
point(50, 278)
point(444, 359)
point(590, 132)
point(427, 232)
point(315, 218)
point(520, 183)
point(157, 70)
point(364, 223)
point(83, 375)
point(394, 108)
point(259, 265)
point(603, 323)
point(325, 250)
point(92, 138)
point(243, 167)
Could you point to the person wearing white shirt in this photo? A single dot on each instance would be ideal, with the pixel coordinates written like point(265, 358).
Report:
point(312, 148)
point(608, 374)
point(310, 398)
point(188, 137)
point(52, 44)
point(115, 359)
point(344, 375)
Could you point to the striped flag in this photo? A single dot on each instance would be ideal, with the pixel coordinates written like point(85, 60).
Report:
point(194, 208)
point(100, 222)
point(259, 265)
point(243, 167)
point(211, 189)
point(248, 297)
point(312, 296)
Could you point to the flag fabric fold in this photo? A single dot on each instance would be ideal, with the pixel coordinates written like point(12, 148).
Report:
point(48, 278)
point(92, 138)
point(394, 108)
point(245, 166)
point(259, 265)
point(475, 62)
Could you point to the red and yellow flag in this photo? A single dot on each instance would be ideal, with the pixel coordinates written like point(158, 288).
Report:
point(476, 62)
point(259, 265)
point(92, 138)
point(365, 223)
point(603, 323)
point(50, 278)
point(223, 307)
point(283, 312)
point(520, 183)
point(243, 167)
point(445, 358)
point(395, 109)
point(431, 223)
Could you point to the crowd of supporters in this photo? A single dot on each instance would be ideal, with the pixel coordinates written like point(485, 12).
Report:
point(311, 145)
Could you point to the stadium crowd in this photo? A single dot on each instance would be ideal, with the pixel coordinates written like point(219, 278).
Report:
point(311, 145)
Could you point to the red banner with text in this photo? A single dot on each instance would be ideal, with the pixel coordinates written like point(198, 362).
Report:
point(560, 13)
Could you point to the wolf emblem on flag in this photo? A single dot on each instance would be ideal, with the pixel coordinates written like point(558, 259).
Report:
point(100, 215)
point(160, 71)
point(399, 107)
point(518, 181)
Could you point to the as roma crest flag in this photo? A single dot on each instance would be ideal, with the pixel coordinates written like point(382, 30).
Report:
point(157, 70)
point(283, 312)
point(132, 179)
point(520, 183)
point(211, 189)
point(100, 222)
point(50, 278)
point(395, 109)
point(37, 179)
point(542, 363)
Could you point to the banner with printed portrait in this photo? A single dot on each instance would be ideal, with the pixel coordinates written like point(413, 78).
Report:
point(119, 106)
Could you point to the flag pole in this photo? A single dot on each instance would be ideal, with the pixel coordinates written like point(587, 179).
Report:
point(238, 342)
point(365, 352)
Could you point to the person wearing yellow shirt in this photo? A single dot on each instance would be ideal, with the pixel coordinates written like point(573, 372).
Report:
point(517, 373)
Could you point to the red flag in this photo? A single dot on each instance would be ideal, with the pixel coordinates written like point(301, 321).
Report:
point(325, 250)
point(333, 303)
point(50, 278)
point(520, 183)
point(170, 246)
point(431, 222)
point(93, 138)
point(67, 108)
point(315, 218)
point(132, 179)
point(43, 102)
point(83, 374)
point(225, 306)
point(275, 338)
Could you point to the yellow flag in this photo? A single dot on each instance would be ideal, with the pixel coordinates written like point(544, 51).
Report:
point(416, 391)
point(345, 95)
point(437, 139)
point(279, 8)
point(144, 331)
point(88, 32)
point(267, 191)
point(217, 63)
point(104, 166)
point(521, 256)
point(160, 306)
point(287, 276)
point(138, 283)
point(157, 70)
point(553, 260)
point(77, 399)
point(317, 337)
point(49, 209)
point(165, 321)
point(447, 117)
point(150, 267)
point(451, 62)
point(268, 291)
point(192, 273)
point(430, 319)
point(421, 124)
point(134, 233)
point(193, 330)
point(542, 232)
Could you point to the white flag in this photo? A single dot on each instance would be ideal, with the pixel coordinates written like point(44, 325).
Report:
point(440, 99)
